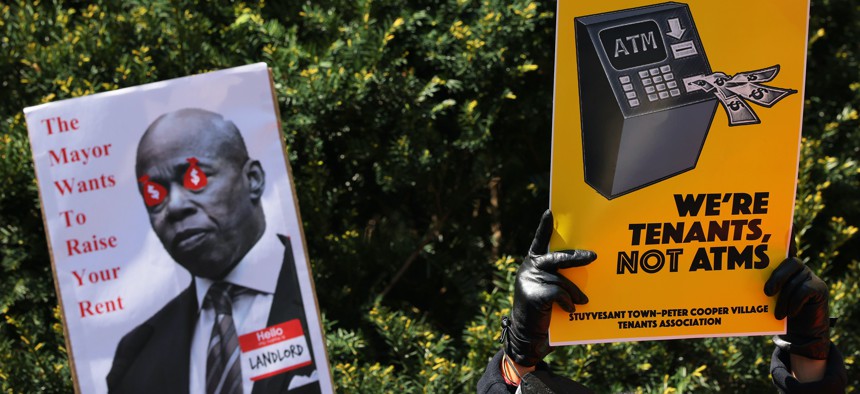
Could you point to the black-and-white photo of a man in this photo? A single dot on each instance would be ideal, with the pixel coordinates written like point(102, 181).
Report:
point(202, 192)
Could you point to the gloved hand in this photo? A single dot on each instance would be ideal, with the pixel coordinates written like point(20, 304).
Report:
point(803, 298)
point(537, 287)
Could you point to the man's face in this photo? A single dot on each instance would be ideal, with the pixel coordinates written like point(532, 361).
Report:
point(201, 229)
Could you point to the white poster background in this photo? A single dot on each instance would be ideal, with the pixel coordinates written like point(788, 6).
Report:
point(147, 277)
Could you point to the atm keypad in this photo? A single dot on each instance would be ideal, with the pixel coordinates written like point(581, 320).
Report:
point(659, 84)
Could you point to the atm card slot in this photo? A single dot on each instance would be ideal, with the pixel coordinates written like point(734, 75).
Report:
point(684, 49)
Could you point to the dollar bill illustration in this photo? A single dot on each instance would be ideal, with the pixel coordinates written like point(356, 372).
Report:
point(734, 92)
point(757, 76)
point(739, 112)
point(698, 83)
point(763, 95)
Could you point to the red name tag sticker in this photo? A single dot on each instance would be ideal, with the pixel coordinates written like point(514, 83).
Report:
point(275, 350)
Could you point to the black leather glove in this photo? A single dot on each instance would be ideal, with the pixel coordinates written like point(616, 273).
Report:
point(803, 298)
point(538, 286)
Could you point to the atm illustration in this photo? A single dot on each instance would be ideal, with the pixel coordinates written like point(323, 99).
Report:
point(641, 123)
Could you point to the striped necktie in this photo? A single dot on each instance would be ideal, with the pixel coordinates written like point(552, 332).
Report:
point(223, 369)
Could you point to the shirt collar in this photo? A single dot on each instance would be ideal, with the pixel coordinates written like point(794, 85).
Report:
point(255, 270)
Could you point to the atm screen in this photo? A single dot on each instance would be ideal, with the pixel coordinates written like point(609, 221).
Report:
point(633, 45)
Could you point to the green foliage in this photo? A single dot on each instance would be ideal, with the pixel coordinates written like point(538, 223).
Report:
point(419, 133)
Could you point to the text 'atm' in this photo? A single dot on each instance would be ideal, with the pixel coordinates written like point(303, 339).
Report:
point(640, 123)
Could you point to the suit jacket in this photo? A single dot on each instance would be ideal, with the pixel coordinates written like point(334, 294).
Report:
point(155, 356)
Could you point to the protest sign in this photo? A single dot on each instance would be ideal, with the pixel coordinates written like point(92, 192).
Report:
point(676, 131)
point(163, 205)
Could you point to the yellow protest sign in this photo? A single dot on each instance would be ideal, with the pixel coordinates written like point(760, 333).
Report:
point(675, 145)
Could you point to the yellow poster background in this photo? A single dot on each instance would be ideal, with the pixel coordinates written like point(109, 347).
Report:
point(737, 36)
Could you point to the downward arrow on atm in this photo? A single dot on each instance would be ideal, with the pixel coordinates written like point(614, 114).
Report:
point(675, 29)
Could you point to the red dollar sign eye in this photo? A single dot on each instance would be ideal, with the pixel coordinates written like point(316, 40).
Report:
point(153, 193)
point(194, 179)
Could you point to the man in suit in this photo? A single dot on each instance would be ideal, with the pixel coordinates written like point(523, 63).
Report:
point(202, 193)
